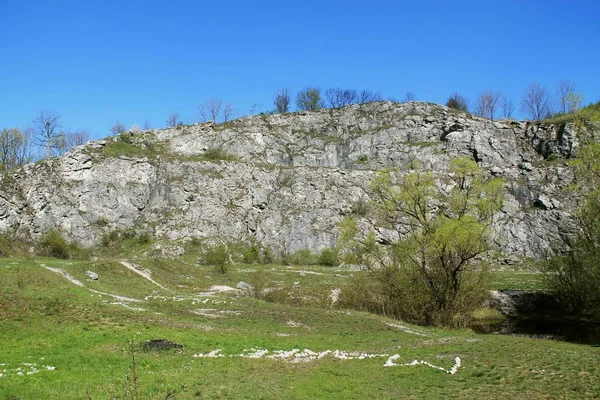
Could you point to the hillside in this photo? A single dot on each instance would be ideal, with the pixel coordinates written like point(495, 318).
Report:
point(286, 180)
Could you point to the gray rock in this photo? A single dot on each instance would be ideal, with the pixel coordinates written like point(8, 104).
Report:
point(91, 275)
point(243, 286)
point(294, 178)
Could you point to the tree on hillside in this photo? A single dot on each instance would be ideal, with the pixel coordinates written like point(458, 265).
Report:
point(77, 138)
point(117, 128)
point(215, 110)
point(507, 107)
point(409, 96)
point(338, 97)
point(227, 112)
point(146, 125)
point(427, 270)
point(487, 103)
point(458, 102)
point(568, 101)
point(282, 101)
point(173, 119)
point(535, 102)
point(15, 148)
point(368, 96)
point(575, 277)
point(309, 99)
point(45, 129)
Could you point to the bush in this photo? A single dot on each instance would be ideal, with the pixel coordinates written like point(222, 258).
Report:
point(53, 244)
point(330, 257)
point(299, 257)
point(428, 275)
point(219, 256)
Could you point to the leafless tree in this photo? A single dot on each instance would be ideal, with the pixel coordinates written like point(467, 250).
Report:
point(227, 112)
point(77, 138)
point(409, 96)
point(210, 111)
point(487, 103)
point(458, 102)
point(368, 96)
point(568, 101)
point(173, 119)
point(507, 107)
point(282, 101)
point(118, 128)
point(15, 149)
point(147, 126)
point(338, 97)
point(535, 103)
point(45, 130)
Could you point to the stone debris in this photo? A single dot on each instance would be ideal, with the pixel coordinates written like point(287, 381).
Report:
point(294, 355)
point(215, 313)
point(391, 363)
point(334, 296)
point(146, 274)
point(407, 329)
point(91, 275)
point(24, 369)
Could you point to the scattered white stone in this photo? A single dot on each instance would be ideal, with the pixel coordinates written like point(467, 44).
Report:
point(391, 363)
point(334, 296)
point(91, 275)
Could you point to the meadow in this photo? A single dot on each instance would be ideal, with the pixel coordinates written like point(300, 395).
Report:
point(65, 336)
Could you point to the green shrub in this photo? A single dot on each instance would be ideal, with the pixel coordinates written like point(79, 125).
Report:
point(53, 244)
point(218, 256)
point(330, 257)
point(216, 154)
point(299, 257)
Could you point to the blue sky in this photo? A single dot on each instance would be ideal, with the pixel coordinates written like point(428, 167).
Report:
point(95, 62)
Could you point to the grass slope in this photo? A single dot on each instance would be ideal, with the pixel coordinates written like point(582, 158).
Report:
point(47, 320)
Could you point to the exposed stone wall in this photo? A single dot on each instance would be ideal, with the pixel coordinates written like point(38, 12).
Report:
point(296, 176)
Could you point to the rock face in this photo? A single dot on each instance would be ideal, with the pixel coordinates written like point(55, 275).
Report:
point(287, 180)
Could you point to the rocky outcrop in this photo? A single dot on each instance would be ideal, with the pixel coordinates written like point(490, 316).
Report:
point(288, 179)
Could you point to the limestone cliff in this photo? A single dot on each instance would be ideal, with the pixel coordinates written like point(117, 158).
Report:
point(287, 180)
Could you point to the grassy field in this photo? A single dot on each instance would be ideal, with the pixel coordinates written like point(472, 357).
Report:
point(67, 337)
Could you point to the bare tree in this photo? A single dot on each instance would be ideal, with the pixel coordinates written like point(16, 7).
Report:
point(368, 96)
point(173, 119)
point(282, 101)
point(118, 128)
point(458, 102)
point(147, 126)
point(227, 112)
point(45, 130)
point(309, 99)
point(210, 111)
point(409, 96)
point(338, 97)
point(507, 107)
point(535, 103)
point(486, 104)
point(77, 138)
point(15, 149)
point(568, 101)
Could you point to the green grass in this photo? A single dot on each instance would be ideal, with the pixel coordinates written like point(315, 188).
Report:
point(47, 320)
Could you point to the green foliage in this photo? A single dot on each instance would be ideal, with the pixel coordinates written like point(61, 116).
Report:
point(118, 238)
point(427, 274)
point(299, 257)
point(216, 154)
point(14, 148)
point(309, 99)
point(330, 257)
point(53, 244)
point(576, 277)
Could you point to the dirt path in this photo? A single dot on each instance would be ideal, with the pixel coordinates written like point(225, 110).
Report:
point(65, 275)
point(76, 282)
point(143, 274)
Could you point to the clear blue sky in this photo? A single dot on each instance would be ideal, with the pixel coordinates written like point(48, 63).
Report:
point(95, 62)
